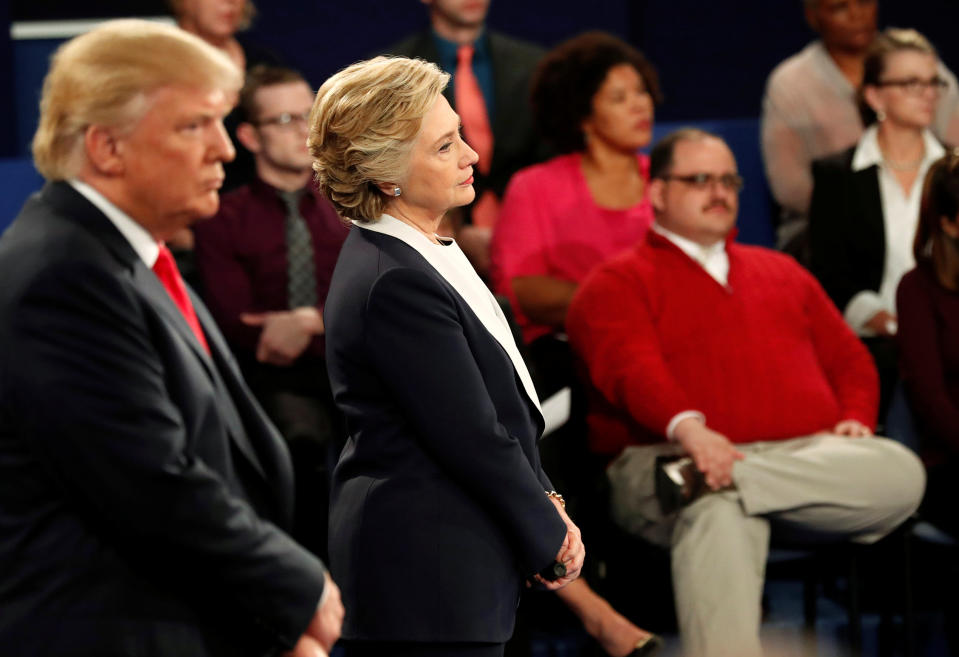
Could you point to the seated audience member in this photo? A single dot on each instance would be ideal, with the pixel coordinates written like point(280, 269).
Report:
point(928, 304)
point(810, 111)
point(490, 91)
point(266, 260)
point(732, 357)
point(217, 22)
point(865, 201)
point(593, 99)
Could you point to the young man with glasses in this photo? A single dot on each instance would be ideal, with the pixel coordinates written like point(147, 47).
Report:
point(731, 359)
point(265, 262)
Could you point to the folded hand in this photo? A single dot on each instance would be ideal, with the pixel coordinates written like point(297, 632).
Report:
point(571, 554)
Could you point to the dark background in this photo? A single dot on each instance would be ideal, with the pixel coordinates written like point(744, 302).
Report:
point(713, 58)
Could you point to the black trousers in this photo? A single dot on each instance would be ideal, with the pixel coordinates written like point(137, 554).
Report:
point(417, 649)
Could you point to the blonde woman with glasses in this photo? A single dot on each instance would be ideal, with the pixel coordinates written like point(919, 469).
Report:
point(866, 200)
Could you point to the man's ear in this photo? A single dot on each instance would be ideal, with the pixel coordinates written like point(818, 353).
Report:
point(103, 150)
point(247, 135)
point(657, 193)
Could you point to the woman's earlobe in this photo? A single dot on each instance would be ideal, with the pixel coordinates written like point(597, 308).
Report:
point(950, 226)
point(389, 189)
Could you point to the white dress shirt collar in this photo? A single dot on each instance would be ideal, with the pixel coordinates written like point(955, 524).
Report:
point(868, 152)
point(713, 258)
point(142, 242)
point(451, 263)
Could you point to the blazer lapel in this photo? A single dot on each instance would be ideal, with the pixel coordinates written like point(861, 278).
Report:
point(252, 431)
point(153, 289)
point(61, 195)
point(872, 231)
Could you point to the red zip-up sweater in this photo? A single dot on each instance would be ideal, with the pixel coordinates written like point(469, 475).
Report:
point(766, 357)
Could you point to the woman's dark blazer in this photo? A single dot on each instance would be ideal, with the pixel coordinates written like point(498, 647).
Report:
point(847, 234)
point(438, 506)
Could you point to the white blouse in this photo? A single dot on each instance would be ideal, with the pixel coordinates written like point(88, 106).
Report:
point(900, 216)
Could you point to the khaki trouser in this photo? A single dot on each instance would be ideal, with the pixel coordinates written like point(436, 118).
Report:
point(838, 487)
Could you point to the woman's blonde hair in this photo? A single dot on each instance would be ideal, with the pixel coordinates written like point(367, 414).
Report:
point(362, 127)
point(103, 78)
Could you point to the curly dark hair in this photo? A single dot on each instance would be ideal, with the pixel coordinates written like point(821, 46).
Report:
point(569, 76)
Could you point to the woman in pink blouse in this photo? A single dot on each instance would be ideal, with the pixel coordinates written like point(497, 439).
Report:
point(593, 99)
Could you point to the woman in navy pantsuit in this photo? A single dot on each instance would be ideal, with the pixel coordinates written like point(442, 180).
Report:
point(441, 511)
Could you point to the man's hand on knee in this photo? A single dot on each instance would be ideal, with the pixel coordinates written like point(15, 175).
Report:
point(852, 428)
point(712, 452)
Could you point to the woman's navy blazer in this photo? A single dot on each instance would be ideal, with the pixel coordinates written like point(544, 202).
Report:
point(438, 506)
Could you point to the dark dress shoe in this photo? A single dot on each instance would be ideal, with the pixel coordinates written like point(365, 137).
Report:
point(647, 647)
point(678, 482)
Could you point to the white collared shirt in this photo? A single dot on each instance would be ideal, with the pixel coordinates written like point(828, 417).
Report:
point(451, 263)
point(900, 216)
point(142, 242)
point(713, 258)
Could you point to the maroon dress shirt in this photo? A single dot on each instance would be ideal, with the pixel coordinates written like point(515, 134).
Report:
point(241, 258)
point(929, 359)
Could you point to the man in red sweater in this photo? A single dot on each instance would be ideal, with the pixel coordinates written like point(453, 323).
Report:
point(734, 356)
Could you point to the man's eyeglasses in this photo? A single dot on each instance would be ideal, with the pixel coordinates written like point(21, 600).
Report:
point(703, 181)
point(285, 120)
point(915, 86)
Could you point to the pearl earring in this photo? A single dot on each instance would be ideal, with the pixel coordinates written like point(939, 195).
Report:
point(880, 115)
point(397, 191)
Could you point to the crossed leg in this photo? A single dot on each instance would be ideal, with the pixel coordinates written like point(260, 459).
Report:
point(838, 487)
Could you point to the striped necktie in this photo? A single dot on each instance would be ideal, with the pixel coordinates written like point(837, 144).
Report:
point(300, 265)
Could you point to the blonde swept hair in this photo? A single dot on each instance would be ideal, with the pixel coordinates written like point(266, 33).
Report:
point(103, 78)
point(362, 127)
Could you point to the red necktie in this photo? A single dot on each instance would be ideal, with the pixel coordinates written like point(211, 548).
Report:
point(472, 110)
point(166, 270)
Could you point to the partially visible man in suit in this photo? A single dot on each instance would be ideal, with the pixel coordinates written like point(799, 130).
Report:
point(265, 261)
point(142, 491)
point(490, 91)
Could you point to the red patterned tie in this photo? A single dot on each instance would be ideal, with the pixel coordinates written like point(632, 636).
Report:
point(472, 110)
point(166, 270)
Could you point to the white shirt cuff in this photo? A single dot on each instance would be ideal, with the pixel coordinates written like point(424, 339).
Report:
point(325, 594)
point(679, 417)
point(860, 310)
